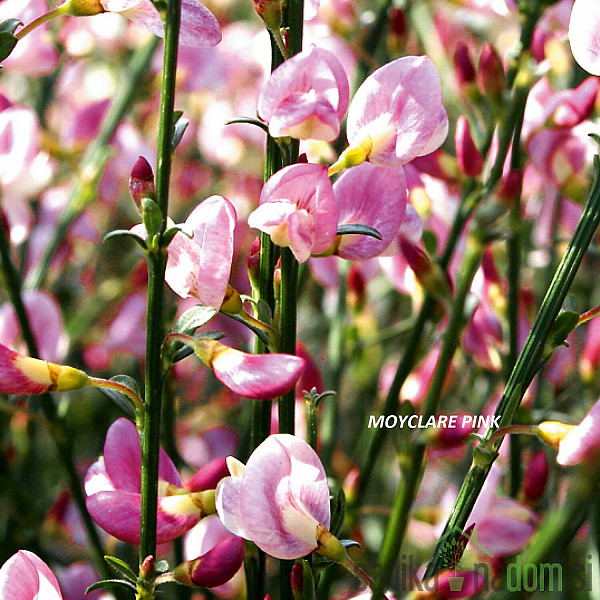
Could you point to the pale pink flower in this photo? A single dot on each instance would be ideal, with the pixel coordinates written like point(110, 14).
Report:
point(199, 260)
point(584, 34)
point(112, 485)
point(306, 97)
point(396, 115)
point(278, 499)
point(298, 210)
point(25, 576)
point(371, 196)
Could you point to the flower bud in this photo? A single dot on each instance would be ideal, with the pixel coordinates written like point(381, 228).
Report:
point(463, 65)
point(536, 477)
point(490, 73)
point(141, 182)
point(270, 12)
point(148, 568)
point(214, 568)
point(297, 581)
point(468, 156)
point(329, 546)
point(253, 263)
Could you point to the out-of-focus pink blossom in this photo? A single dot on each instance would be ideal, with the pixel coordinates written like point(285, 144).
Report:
point(25, 576)
point(46, 323)
point(306, 97)
point(214, 558)
point(298, 210)
point(395, 115)
point(371, 196)
point(583, 34)
point(468, 156)
point(76, 578)
point(535, 478)
point(112, 485)
point(278, 499)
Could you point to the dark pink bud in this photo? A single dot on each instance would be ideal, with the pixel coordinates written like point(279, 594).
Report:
point(357, 287)
point(4, 102)
point(141, 181)
point(463, 65)
point(297, 581)
point(578, 105)
point(148, 568)
point(468, 156)
point(450, 436)
point(536, 477)
point(208, 476)
point(253, 262)
point(311, 376)
point(397, 22)
point(214, 568)
point(510, 187)
point(490, 72)
point(303, 158)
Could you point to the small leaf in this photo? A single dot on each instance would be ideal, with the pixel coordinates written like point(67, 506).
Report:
point(256, 330)
point(430, 242)
point(178, 130)
point(119, 398)
point(338, 512)
point(264, 311)
point(168, 235)
point(308, 582)
point(125, 233)
point(562, 327)
point(152, 216)
point(162, 566)
point(249, 121)
point(8, 41)
point(121, 566)
point(193, 318)
point(350, 544)
point(110, 583)
point(358, 229)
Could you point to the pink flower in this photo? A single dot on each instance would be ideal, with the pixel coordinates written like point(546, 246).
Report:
point(279, 499)
point(306, 97)
point(199, 27)
point(256, 376)
point(25, 576)
point(21, 374)
point(298, 210)
point(199, 263)
point(395, 115)
point(214, 558)
point(112, 485)
point(584, 28)
point(371, 196)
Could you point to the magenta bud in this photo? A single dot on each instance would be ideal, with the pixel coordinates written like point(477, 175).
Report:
point(510, 187)
point(450, 437)
point(214, 568)
point(357, 287)
point(470, 161)
point(578, 105)
point(463, 65)
point(297, 581)
point(141, 181)
point(253, 262)
point(148, 568)
point(4, 102)
point(397, 22)
point(536, 477)
point(490, 72)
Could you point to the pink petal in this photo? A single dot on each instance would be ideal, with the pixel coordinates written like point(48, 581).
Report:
point(301, 232)
point(25, 576)
point(12, 378)
point(372, 196)
point(205, 535)
point(583, 34)
point(284, 497)
point(257, 376)
point(220, 563)
point(583, 441)
point(208, 476)
point(199, 27)
point(399, 106)
point(227, 500)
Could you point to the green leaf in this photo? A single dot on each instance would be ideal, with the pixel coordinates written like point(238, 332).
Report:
point(125, 233)
point(430, 242)
point(358, 229)
point(7, 38)
point(110, 583)
point(193, 318)
point(119, 398)
point(121, 566)
point(152, 216)
point(169, 234)
point(308, 582)
point(249, 121)
point(338, 512)
point(161, 566)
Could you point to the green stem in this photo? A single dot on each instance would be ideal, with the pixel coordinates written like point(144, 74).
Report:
point(528, 362)
point(51, 14)
point(60, 437)
point(156, 261)
point(394, 534)
point(84, 189)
